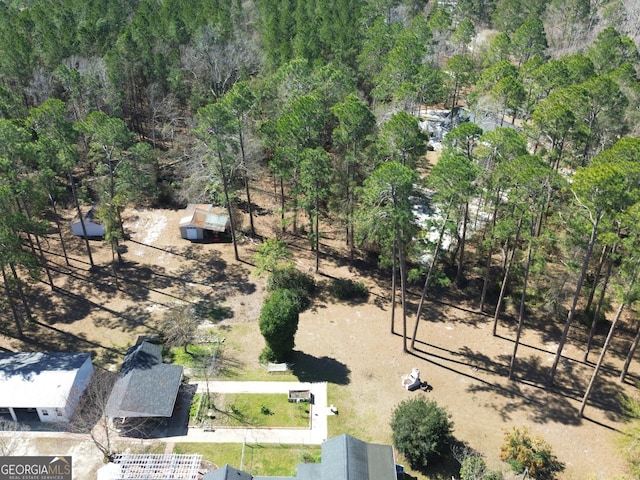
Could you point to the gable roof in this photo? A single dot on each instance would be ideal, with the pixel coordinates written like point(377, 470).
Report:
point(343, 458)
point(145, 387)
point(89, 215)
point(348, 458)
point(36, 379)
point(203, 216)
point(227, 473)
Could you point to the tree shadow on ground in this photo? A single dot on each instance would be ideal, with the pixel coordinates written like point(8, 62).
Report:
point(308, 368)
point(444, 468)
point(227, 365)
point(42, 337)
point(542, 406)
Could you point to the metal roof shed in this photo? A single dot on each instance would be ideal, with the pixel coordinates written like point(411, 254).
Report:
point(200, 221)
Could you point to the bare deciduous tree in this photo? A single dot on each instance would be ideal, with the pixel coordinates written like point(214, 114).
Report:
point(179, 326)
point(91, 417)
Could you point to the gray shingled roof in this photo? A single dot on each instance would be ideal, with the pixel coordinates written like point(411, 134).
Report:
point(343, 458)
point(145, 387)
point(227, 473)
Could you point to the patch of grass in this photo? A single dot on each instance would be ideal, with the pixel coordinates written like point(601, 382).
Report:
point(261, 410)
point(195, 356)
point(258, 373)
point(262, 460)
point(352, 419)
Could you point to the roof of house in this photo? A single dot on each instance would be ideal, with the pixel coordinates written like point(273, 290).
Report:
point(32, 380)
point(343, 458)
point(227, 473)
point(204, 216)
point(89, 215)
point(347, 458)
point(145, 387)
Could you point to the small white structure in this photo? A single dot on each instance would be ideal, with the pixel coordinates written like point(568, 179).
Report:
point(412, 381)
point(201, 222)
point(42, 386)
point(93, 228)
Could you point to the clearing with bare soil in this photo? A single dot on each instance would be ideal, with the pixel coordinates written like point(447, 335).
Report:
point(347, 344)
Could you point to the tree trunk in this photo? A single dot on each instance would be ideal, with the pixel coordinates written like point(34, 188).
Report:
point(509, 259)
point(57, 220)
point(31, 245)
point(350, 201)
point(605, 347)
point(632, 351)
point(596, 312)
point(596, 277)
point(462, 245)
point(246, 180)
point(523, 298)
point(426, 281)
point(403, 290)
point(232, 222)
point(485, 281)
point(317, 236)
point(79, 210)
point(43, 259)
point(282, 204)
point(487, 267)
point(23, 298)
point(576, 297)
point(393, 288)
point(12, 305)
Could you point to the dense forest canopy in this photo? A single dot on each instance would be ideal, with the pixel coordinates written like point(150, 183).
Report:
point(112, 102)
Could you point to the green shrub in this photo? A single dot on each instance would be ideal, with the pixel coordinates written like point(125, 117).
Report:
point(521, 450)
point(421, 431)
point(475, 468)
point(299, 283)
point(347, 289)
point(278, 324)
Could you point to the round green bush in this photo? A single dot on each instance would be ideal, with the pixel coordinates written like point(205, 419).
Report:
point(421, 431)
point(299, 283)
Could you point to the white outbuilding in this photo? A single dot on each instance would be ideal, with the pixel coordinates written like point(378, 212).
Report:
point(204, 222)
point(43, 387)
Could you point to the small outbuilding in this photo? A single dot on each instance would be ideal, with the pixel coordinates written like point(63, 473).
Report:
point(92, 227)
point(43, 387)
point(204, 222)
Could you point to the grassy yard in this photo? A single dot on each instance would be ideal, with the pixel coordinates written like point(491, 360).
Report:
point(244, 409)
point(267, 460)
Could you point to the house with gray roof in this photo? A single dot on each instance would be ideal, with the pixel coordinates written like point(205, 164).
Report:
point(45, 387)
point(145, 387)
point(343, 458)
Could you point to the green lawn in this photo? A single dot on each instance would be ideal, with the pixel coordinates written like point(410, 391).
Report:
point(256, 410)
point(266, 460)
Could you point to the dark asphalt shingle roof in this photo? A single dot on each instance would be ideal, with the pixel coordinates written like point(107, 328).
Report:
point(343, 458)
point(227, 473)
point(145, 387)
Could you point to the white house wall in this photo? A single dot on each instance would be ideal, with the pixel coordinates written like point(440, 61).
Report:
point(80, 383)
